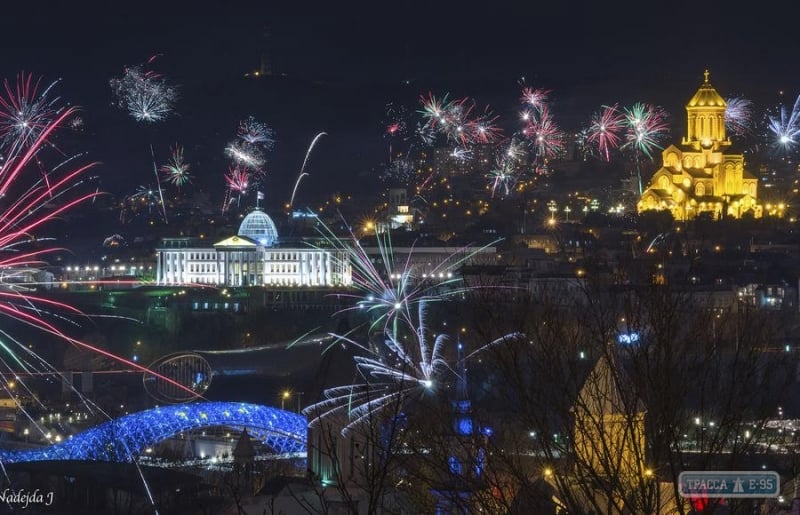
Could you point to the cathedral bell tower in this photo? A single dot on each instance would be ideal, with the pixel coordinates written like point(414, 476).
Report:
point(705, 116)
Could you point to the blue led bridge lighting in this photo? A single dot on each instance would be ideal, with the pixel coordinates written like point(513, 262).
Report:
point(121, 439)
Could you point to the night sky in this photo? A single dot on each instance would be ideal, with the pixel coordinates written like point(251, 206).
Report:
point(342, 64)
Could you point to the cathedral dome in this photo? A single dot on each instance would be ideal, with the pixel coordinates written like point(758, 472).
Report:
point(707, 96)
point(258, 226)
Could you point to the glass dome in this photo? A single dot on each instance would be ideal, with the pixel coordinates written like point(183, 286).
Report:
point(258, 226)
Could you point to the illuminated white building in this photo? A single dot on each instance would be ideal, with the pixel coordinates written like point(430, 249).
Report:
point(251, 258)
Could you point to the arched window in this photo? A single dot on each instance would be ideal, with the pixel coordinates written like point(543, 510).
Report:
point(700, 189)
point(663, 182)
point(671, 160)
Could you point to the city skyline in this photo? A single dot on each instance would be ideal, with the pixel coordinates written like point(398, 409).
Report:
point(415, 257)
point(342, 66)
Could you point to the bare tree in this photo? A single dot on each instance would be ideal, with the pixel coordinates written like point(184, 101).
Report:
point(616, 390)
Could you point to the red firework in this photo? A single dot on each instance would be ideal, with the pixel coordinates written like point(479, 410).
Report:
point(606, 129)
point(29, 201)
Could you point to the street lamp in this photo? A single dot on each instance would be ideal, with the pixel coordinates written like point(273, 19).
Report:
point(551, 206)
point(285, 396)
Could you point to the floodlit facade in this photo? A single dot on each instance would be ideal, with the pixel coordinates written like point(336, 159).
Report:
point(697, 176)
point(253, 257)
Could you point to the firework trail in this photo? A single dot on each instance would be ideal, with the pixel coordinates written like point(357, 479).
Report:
point(411, 359)
point(739, 116)
point(785, 128)
point(646, 127)
point(303, 167)
point(605, 130)
point(149, 98)
point(392, 291)
point(176, 171)
point(25, 113)
point(28, 206)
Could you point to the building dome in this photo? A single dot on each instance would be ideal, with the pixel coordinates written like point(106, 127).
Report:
point(707, 96)
point(258, 226)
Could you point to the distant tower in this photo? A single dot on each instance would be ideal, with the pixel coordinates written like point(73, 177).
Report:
point(467, 457)
point(265, 66)
point(608, 433)
point(244, 453)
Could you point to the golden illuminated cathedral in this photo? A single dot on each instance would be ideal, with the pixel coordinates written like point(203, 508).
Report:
point(697, 176)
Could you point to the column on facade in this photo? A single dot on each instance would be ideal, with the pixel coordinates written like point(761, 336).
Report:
point(173, 277)
point(249, 276)
point(169, 277)
point(225, 270)
point(239, 267)
point(181, 256)
point(171, 267)
point(251, 269)
point(301, 270)
point(315, 270)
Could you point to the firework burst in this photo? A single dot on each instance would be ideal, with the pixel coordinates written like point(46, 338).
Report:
point(785, 128)
point(503, 178)
point(605, 130)
point(455, 122)
point(411, 359)
point(27, 206)
point(145, 94)
point(647, 126)
point(245, 155)
point(237, 179)
point(739, 116)
point(435, 111)
point(255, 133)
point(484, 129)
point(400, 170)
point(176, 171)
point(148, 98)
point(535, 98)
point(25, 111)
point(142, 201)
point(237, 182)
point(395, 126)
point(544, 134)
